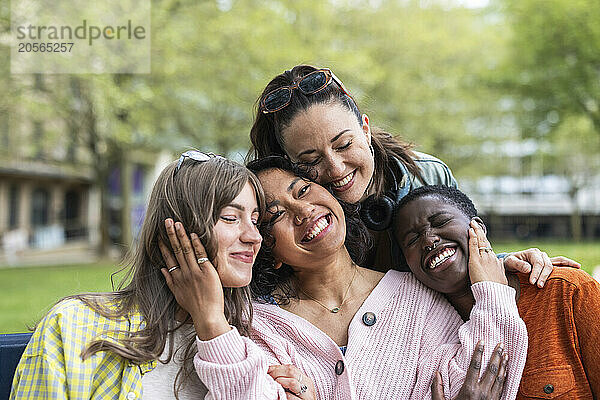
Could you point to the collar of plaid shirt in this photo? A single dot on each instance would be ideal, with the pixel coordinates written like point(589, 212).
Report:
point(51, 366)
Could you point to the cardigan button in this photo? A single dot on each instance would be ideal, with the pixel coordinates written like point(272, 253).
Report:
point(339, 367)
point(369, 319)
point(548, 388)
point(131, 396)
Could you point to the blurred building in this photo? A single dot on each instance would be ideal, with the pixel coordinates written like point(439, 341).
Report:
point(537, 207)
point(51, 209)
point(51, 190)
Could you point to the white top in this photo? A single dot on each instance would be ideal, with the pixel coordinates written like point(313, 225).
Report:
point(158, 383)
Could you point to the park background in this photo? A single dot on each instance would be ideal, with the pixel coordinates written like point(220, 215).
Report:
point(506, 92)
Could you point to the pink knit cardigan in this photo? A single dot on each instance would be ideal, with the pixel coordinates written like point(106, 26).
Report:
point(416, 332)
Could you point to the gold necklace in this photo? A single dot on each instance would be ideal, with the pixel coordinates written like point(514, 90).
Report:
point(336, 309)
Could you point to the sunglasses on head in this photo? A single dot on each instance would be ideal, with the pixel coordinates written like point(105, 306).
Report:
point(196, 156)
point(311, 83)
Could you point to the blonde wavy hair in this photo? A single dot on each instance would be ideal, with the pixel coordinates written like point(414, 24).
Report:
point(194, 196)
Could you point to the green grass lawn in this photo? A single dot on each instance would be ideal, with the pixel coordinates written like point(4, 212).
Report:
point(28, 293)
point(586, 253)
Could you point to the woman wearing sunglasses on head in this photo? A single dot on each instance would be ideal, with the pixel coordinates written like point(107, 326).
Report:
point(308, 115)
point(356, 333)
point(138, 342)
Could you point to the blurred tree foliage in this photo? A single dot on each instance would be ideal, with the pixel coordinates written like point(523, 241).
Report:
point(412, 65)
point(471, 86)
point(555, 58)
point(552, 70)
point(420, 68)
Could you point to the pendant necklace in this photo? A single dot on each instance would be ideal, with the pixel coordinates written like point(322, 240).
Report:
point(336, 309)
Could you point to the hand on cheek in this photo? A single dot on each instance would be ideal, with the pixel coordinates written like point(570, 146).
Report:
point(483, 263)
point(196, 286)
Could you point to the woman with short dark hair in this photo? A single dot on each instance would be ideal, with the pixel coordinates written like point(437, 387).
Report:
point(432, 227)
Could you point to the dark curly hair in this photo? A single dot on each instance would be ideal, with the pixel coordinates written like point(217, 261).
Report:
point(447, 193)
point(265, 278)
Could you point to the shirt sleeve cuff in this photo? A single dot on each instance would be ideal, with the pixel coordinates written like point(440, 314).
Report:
point(228, 348)
point(495, 296)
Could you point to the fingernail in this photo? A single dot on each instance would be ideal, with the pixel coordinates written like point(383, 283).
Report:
point(193, 236)
point(500, 347)
point(168, 222)
point(178, 225)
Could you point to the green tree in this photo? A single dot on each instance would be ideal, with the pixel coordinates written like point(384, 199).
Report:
point(552, 71)
point(421, 75)
point(555, 59)
point(575, 154)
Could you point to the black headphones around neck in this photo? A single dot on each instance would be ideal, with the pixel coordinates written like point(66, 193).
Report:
point(377, 212)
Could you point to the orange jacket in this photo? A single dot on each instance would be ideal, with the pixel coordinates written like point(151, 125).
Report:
point(563, 322)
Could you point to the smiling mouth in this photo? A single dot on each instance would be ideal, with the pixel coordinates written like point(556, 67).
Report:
point(441, 257)
point(344, 183)
point(244, 256)
point(317, 228)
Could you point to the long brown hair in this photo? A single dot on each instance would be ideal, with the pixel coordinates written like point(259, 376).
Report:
point(195, 197)
point(266, 132)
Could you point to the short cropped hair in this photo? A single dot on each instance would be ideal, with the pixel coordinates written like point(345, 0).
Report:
point(447, 193)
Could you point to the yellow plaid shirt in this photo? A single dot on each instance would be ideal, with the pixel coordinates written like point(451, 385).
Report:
point(51, 366)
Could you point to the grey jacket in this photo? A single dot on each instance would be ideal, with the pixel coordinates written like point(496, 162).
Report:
point(433, 172)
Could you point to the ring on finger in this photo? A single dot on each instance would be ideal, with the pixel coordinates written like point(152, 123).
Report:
point(303, 389)
point(202, 260)
point(485, 248)
point(173, 268)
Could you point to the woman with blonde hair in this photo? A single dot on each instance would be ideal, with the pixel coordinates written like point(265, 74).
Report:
point(137, 341)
